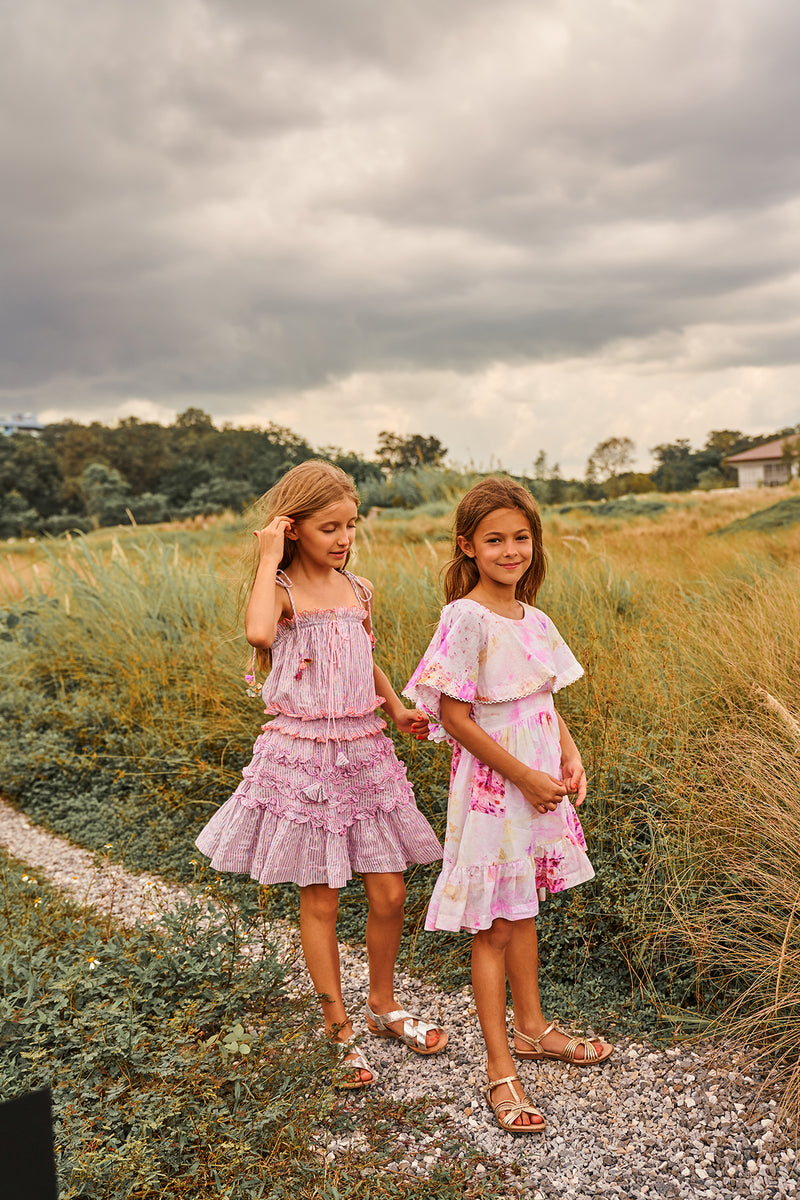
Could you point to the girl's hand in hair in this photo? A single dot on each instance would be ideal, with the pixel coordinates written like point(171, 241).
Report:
point(270, 538)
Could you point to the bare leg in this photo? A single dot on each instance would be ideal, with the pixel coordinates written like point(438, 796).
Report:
point(318, 909)
point(522, 964)
point(386, 895)
point(489, 948)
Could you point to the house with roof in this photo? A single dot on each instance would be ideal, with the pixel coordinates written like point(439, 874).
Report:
point(20, 423)
point(766, 466)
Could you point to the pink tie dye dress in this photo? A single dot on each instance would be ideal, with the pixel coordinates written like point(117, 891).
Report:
point(500, 855)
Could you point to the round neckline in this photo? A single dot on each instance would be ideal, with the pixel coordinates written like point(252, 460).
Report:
point(500, 617)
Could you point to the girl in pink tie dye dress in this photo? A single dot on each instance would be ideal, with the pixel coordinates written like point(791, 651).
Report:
point(486, 683)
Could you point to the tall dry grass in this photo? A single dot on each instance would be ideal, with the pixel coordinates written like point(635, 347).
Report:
point(688, 718)
point(696, 683)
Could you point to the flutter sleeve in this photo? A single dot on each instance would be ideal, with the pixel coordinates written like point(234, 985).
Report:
point(450, 666)
point(566, 668)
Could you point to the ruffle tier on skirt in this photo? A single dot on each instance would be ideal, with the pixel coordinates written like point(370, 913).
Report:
point(315, 808)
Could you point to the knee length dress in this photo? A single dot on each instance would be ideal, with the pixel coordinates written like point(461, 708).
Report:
point(500, 855)
point(324, 795)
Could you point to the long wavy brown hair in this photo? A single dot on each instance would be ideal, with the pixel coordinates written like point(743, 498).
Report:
point(301, 492)
point(460, 572)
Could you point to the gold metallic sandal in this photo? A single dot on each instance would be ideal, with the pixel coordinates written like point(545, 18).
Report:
point(415, 1031)
point(507, 1111)
point(591, 1057)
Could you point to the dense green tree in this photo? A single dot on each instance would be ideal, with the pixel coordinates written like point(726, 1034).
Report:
point(725, 441)
point(397, 453)
point(360, 469)
point(17, 517)
point(710, 478)
point(710, 467)
point(106, 494)
point(676, 470)
point(149, 508)
point(791, 449)
point(30, 467)
point(629, 482)
point(261, 456)
point(609, 458)
point(141, 451)
point(182, 478)
point(218, 493)
point(195, 419)
point(547, 486)
point(77, 445)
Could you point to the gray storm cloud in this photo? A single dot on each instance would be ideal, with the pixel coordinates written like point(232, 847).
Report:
point(239, 200)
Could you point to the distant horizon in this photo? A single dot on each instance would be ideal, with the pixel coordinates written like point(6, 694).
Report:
point(448, 461)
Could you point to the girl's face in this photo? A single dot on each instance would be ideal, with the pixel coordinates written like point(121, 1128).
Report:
point(327, 536)
point(502, 546)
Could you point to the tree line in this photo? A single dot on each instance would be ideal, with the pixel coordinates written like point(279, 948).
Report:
point(79, 477)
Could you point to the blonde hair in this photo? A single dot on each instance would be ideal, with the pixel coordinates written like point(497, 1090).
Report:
point(303, 491)
point(461, 572)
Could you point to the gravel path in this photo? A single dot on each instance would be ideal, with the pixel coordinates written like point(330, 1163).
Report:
point(689, 1121)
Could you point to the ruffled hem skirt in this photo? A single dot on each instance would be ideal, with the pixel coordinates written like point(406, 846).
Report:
point(319, 803)
point(471, 898)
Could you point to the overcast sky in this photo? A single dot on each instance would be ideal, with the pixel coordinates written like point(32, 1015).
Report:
point(514, 226)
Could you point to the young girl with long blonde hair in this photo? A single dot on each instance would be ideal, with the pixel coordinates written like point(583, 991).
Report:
point(486, 683)
point(324, 796)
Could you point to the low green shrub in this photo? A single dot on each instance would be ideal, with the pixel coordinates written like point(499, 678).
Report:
point(777, 516)
point(624, 507)
point(181, 1066)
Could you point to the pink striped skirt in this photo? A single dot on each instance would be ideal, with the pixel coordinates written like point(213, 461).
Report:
point(319, 802)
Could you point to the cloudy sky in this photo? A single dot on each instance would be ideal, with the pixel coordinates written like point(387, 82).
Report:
point(513, 225)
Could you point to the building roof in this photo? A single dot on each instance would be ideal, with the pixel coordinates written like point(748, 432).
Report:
point(769, 452)
point(24, 422)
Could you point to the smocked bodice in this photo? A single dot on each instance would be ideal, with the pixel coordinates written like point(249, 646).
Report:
point(322, 666)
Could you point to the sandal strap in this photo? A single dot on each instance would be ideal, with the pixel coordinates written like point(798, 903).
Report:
point(384, 1019)
point(574, 1043)
point(415, 1030)
point(509, 1079)
point(359, 1063)
point(536, 1042)
point(568, 1053)
point(507, 1111)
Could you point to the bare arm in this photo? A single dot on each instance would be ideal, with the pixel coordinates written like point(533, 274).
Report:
point(267, 601)
point(407, 720)
point(544, 792)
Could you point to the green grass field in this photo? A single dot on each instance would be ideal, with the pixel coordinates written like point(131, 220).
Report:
point(126, 722)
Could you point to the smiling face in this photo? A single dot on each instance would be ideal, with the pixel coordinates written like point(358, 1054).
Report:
point(501, 546)
point(326, 537)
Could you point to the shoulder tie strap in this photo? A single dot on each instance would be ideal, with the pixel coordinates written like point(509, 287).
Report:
point(365, 596)
point(283, 580)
